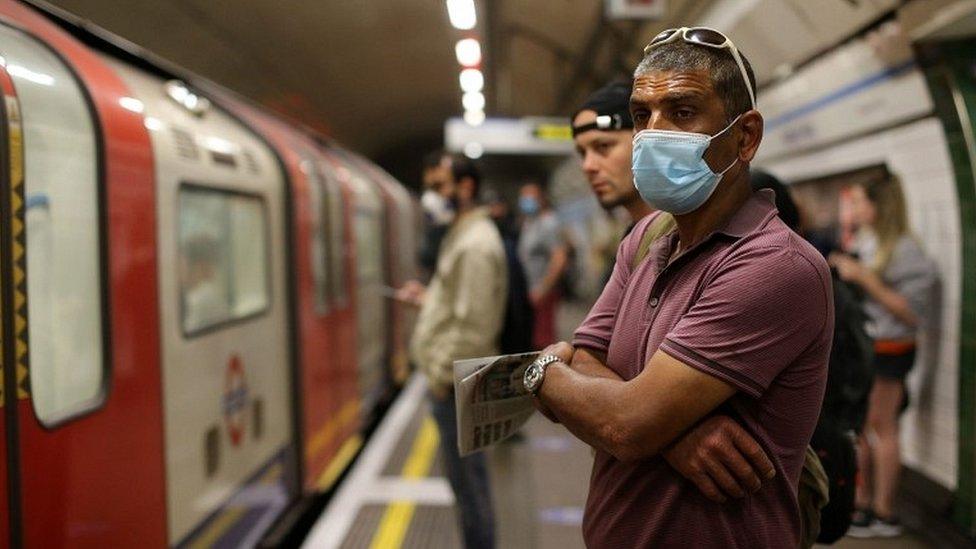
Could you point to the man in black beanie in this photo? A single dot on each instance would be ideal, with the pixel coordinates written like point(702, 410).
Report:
point(603, 132)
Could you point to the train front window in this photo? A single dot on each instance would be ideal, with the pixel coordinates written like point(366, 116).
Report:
point(60, 209)
point(223, 257)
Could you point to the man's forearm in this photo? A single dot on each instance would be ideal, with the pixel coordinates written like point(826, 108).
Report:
point(592, 363)
point(633, 419)
point(588, 363)
point(588, 405)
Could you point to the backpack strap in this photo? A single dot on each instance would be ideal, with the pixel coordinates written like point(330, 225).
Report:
point(662, 224)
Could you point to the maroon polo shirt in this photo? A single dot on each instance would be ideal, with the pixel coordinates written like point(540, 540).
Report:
point(751, 305)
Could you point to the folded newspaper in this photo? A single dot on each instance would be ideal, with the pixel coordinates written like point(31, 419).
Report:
point(492, 402)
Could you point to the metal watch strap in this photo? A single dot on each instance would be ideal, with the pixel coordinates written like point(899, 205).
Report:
point(544, 362)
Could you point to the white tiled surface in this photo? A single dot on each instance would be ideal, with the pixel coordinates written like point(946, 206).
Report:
point(918, 153)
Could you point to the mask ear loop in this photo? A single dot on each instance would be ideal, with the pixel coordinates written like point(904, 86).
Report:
point(736, 159)
point(732, 123)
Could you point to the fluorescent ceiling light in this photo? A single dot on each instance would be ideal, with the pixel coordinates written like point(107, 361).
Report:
point(474, 150)
point(468, 52)
point(474, 118)
point(473, 101)
point(472, 80)
point(462, 14)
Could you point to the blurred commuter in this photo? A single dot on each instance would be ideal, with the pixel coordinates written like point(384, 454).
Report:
point(897, 278)
point(849, 377)
point(516, 336)
point(729, 313)
point(461, 317)
point(438, 212)
point(604, 133)
point(501, 213)
point(545, 257)
point(204, 299)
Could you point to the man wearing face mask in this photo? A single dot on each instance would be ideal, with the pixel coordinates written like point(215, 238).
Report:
point(545, 256)
point(729, 313)
point(438, 212)
point(603, 132)
point(461, 317)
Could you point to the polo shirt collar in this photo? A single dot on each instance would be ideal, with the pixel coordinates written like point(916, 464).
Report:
point(757, 210)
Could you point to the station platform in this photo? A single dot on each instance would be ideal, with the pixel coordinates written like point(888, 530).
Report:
point(397, 497)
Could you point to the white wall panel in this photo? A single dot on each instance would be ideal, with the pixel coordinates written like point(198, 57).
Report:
point(863, 86)
point(918, 153)
point(776, 32)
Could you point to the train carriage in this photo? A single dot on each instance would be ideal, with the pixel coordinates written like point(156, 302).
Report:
point(195, 331)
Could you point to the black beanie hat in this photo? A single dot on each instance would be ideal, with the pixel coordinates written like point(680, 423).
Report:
point(612, 106)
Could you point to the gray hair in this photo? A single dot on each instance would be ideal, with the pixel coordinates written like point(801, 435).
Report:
point(719, 64)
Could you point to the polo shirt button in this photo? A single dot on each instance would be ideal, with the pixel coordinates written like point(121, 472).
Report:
point(654, 301)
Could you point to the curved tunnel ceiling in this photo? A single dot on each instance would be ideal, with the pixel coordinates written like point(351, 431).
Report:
point(380, 75)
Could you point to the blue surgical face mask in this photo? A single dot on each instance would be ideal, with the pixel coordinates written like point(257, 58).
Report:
point(529, 205)
point(670, 172)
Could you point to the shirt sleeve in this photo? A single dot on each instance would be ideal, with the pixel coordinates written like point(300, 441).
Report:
point(915, 276)
point(754, 318)
point(594, 333)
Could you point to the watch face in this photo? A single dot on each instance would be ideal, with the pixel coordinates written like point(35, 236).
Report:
point(533, 376)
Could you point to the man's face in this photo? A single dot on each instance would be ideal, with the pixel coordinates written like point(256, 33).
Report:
point(863, 211)
point(531, 191)
point(441, 180)
point(684, 101)
point(606, 158)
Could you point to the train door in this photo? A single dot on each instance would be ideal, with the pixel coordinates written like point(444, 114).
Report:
point(82, 417)
point(372, 315)
point(10, 148)
point(224, 319)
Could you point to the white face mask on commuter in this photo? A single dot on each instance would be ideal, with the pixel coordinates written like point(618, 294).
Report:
point(440, 211)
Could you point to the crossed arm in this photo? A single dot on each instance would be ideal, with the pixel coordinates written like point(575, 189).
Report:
point(652, 415)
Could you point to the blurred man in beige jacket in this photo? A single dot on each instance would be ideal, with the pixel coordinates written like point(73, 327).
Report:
point(461, 316)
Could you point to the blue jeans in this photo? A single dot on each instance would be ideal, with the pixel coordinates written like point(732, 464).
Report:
point(468, 477)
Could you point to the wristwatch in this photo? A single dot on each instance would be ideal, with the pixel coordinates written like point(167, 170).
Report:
point(536, 372)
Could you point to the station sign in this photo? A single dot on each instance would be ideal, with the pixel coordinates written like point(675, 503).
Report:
point(530, 135)
point(636, 9)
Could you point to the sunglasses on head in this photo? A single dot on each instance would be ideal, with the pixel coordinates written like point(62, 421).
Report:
point(703, 36)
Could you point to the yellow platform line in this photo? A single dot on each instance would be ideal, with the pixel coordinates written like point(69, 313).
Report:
point(396, 520)
point(339, 463)
point(231, 515)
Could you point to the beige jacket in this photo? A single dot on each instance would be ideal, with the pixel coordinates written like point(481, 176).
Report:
point(464, 307)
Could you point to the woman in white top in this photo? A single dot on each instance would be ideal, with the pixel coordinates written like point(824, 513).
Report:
point(896, 277)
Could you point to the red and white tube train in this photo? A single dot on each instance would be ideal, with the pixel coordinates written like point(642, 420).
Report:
point(194, 327)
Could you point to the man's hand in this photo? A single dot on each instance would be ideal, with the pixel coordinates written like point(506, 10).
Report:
point(721, 459)
point(411, 292)
point(563, 350)
point(536, 296)
point(565, 353)
point(848, 268)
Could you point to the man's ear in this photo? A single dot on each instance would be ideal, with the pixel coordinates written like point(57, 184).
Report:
point(750, 136)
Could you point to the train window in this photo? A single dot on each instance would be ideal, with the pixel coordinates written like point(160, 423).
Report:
point(223, 266)
point(318, 243)
point(337, 242)
point(65, 308)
